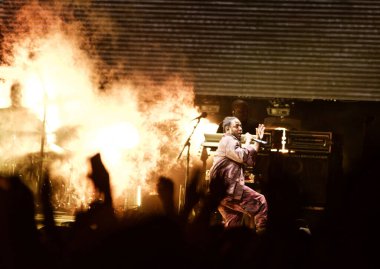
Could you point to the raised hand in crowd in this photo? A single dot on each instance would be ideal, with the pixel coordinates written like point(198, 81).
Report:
point(165, 189)
point(100, 177)
point(192, 194)
point(91, 226)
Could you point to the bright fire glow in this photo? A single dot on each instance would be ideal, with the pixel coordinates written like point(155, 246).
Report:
point(139, 130)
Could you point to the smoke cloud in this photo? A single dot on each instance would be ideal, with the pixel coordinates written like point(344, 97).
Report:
point(137, 124)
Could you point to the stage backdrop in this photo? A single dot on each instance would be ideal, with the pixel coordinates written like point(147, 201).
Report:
point(270, 48)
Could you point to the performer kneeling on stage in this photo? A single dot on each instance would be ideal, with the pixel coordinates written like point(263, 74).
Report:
point(229, 159)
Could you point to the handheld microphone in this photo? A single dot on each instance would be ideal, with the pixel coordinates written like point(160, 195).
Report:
point(260, 141)
point(202, 115)
point(253, 138)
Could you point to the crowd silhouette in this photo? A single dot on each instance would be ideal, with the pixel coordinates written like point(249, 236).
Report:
point(190, 238)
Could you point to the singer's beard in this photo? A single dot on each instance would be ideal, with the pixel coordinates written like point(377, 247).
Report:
point(238, 136)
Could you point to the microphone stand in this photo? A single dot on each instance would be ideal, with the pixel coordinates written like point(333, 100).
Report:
point(187, 144)
point(43, 139)
point(41, 175)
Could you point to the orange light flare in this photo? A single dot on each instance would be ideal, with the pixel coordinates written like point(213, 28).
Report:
point(57, 79)
point(150, 143)
point(135, 146)
point(138, 130)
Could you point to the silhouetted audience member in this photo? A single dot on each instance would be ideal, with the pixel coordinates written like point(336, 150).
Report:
point(99, 238)
point(20, 245)
point(165, 189)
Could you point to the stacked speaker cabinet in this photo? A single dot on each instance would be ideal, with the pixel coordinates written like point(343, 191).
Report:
point(306, 175)
point(298, 161)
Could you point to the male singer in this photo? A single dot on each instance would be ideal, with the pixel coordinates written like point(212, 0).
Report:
point(229, 159)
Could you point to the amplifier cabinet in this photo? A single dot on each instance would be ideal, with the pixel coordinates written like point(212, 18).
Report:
point(307, 175)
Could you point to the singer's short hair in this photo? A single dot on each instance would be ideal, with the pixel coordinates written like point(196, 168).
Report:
point(227, 122)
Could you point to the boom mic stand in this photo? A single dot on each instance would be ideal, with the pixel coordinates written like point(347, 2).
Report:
point(187, 144)
point(43, 139)
point(40, 175)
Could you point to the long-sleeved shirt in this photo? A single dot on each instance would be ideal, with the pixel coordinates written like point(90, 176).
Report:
point(229, 160)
